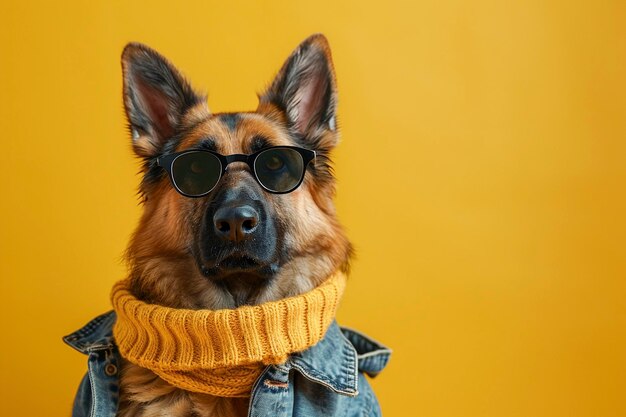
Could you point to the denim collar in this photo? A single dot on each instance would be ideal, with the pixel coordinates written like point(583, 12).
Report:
point(95, 336)
point(333, 362)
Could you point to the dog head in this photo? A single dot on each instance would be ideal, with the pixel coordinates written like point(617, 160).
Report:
point(238, 244)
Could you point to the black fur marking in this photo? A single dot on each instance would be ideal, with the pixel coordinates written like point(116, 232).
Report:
point(207, 144)
point(257, 143)
point(170, 146)
point(153, 171)
point(230, 120)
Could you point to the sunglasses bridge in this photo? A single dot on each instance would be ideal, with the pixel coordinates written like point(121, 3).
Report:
point(238, 157)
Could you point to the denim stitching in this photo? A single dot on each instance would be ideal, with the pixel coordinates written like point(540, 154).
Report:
point(76, 339)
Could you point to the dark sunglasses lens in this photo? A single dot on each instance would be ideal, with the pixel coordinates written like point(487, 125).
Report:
point(196, 173)
point(279, 169)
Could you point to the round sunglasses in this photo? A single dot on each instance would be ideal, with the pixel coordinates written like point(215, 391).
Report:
point(279, 169)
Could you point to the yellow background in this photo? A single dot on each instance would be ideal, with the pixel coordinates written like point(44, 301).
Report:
point(481, 177)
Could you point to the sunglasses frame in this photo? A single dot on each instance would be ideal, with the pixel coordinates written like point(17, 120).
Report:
point(167, 162)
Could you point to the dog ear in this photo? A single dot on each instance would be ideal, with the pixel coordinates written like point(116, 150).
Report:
point(305, 89)
point(156, 96)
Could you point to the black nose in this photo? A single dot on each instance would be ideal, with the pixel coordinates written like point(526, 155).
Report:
point(235, 223)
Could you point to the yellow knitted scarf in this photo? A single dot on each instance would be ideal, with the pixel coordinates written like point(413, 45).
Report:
point(221, 352)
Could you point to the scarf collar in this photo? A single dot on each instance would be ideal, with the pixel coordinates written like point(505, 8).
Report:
point(221, 352)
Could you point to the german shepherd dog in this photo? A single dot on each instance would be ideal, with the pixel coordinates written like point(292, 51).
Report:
point(243, 240)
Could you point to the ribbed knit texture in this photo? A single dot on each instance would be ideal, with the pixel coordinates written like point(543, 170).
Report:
point(221, 352)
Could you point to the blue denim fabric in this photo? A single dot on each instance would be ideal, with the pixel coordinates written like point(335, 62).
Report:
point(324, 380)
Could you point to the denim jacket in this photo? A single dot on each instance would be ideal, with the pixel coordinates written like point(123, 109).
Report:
point(328, 378)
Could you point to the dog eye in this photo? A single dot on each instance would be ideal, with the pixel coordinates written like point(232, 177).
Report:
point(197, 168)
point(274, 163)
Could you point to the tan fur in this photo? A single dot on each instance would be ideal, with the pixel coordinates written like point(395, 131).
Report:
point(158, 252)
point(145, 394)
